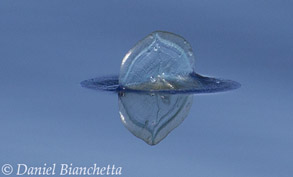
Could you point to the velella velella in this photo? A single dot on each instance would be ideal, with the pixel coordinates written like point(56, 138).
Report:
point(161, 62)
point(156, 84)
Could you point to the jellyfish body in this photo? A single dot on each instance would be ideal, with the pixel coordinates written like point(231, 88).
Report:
point(156, 84)
point(161, 62)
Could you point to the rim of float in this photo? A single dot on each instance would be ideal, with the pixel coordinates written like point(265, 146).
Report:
point(209, 84)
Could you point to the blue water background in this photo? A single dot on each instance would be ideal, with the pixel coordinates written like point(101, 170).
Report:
point(48, 47)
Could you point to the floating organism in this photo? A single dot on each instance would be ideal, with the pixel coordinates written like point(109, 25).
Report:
point(161, 62)
point(156, 84)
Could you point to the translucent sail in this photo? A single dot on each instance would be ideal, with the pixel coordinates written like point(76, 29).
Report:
point(161, 60)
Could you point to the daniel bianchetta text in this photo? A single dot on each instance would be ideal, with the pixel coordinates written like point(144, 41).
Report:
point(67, 169)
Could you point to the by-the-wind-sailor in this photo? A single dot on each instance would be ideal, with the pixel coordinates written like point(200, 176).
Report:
point(161, 62)
point(156, 85)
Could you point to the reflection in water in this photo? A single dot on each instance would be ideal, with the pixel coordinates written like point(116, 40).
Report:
point(152, 116)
